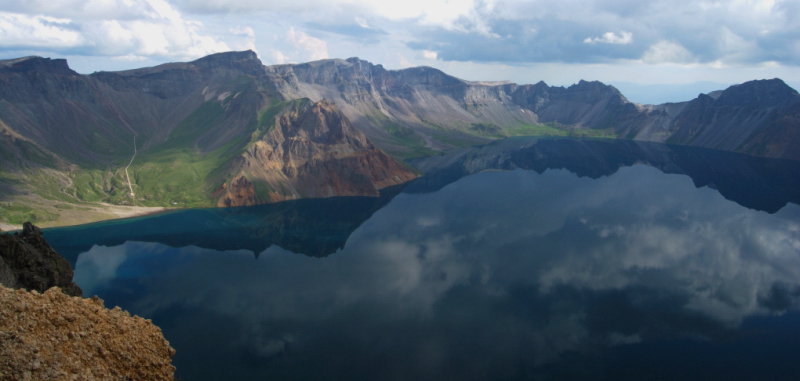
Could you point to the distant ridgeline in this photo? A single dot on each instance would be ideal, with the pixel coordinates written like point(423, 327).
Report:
point(225, 130)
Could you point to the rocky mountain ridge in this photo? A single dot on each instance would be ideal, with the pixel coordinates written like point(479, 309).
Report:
point(225, 130)
point(755, 117)
point(192, 126)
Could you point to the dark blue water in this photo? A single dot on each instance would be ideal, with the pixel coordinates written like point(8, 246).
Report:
point(527, 259)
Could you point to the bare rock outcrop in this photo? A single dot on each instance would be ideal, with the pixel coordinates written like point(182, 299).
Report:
point(53, 336)
point(28, 262)
point(52, 333)
point(311, 151)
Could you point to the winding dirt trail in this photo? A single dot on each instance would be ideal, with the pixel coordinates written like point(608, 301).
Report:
point(129, 164)
point(111, 106)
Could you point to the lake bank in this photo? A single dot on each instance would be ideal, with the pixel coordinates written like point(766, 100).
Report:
point(47, 213)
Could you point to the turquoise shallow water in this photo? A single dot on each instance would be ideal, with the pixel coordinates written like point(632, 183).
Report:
point(504, 262)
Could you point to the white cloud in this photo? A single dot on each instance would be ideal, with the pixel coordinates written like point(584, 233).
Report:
point(37, 31)
point(309, 48)
point(278, 57)
point(667, 52)
point(403, 62)
point(246, 38)
point(429, 55)
point(82, 9)
point(733, 47)
point(428, 12)
point(611, 38)
point(362, 23)
point(243, 31)
point(143, 28)
point(98, 266)
point(728, 41)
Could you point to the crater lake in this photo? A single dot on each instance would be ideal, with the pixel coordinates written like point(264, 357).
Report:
point(544, 259)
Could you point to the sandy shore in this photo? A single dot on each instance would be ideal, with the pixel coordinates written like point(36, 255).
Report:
point(88, 213)
point(122, 211)
point(6, 227)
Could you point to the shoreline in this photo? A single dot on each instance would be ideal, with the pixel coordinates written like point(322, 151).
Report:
point(96, 213)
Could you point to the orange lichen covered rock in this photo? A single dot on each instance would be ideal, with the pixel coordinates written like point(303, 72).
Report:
point(53, 336)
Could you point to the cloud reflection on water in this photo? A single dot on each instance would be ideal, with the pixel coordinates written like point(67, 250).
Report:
point(491, 276)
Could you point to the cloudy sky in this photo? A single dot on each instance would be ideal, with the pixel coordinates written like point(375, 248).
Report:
point(682, 47)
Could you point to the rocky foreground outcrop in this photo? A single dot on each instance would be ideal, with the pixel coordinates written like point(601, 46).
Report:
point(53, 336)
point(57, 334)
point(28, 262)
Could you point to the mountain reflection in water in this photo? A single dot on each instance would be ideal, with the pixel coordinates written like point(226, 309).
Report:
point(754, 182)
point(314, 227)
point(520, 274)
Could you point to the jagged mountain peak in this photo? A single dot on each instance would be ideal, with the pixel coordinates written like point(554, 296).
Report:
point(759, 93)
point(597, 86)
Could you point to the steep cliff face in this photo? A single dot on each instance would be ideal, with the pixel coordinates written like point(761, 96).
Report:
point(309, 150)
point(587, 104)
point(404, 109)
point(45, 101)
point(757, 117)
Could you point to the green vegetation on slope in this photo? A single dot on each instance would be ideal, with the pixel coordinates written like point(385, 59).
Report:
point(266, 117)
point(410, 144)
point(606, 133)
point(179, 177)
point(16, 213)
point(547, 129)
point(177, 173)
point(536, 130)
point(186, 133)
point(13, 151)
point(174, 173)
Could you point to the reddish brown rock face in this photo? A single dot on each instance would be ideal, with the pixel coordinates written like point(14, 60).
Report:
point(312, 151)
point(239, 193)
